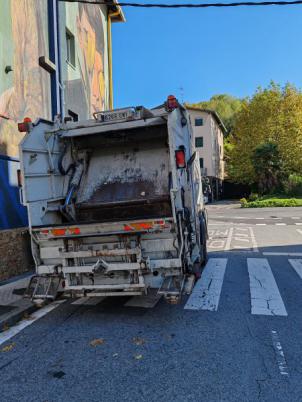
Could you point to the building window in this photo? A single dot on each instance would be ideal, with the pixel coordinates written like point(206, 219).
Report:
point(198, 122)
point(199, 142)
point(70, 48)
point(201, 163)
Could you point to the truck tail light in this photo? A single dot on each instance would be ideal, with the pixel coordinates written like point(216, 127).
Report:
point(58, 232)
point(180, 159)
point(74, 231)
point(25, 125)
point(171, 103)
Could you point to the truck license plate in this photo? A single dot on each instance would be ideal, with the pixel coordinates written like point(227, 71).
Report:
point(117, 115)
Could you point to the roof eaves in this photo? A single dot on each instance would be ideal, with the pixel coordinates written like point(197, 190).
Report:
point(119, 15)
point(213, 113)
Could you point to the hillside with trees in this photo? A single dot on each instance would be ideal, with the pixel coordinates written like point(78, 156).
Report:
point(263, 148)
point(226, 106)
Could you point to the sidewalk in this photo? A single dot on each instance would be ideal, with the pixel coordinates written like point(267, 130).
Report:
point(13, 307)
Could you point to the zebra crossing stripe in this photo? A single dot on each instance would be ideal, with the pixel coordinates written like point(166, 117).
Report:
point(265, 295)
point(206, 293)
point(297, 265)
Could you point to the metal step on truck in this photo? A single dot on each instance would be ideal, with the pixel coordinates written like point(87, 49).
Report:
point(115, 204)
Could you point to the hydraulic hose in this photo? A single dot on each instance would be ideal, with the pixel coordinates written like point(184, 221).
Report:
point(60, 162)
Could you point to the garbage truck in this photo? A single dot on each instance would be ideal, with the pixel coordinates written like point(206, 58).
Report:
point(115, 203)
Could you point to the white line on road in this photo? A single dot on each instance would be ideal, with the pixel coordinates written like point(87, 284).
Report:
point(297, 265)
point(265, 296)
point(229, 239)
point(299, 231)
point(255, 247)
point(206, 293)
point(298, 223)
point(6, 335)
point(260, 224)
point(259, 218)
point(295, 217)
point(276, 253)
point(279, 354)
point(280, 224)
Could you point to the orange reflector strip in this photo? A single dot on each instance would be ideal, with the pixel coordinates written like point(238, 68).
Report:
point(58, 232)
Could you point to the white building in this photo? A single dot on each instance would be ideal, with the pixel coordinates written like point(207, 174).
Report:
point(209, 131)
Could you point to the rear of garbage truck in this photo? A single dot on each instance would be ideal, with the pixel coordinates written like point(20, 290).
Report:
point(115, 204)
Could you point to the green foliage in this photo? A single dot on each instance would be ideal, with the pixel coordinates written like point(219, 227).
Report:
point(273, 202)
point(272, 116)
point(253, 197)
point(267, 166)
point(243, 201)
point(225, 105)
point(293, 185)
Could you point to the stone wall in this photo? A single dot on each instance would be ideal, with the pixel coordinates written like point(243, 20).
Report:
point(15, 253)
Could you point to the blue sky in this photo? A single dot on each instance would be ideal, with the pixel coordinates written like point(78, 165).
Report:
point(204, 51)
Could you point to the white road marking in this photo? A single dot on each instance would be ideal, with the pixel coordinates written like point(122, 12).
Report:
point(280, 224)
point(216, 244)
point(206, 293)
point(6, 335)
point(265, 296)
point(299, 231)
point(242, 239)
point(260, 224)
point(298, 223)
point(279, 354)
point(259, 218)
point(276, 253)
point(89, 301)
point(295, 217)
point(297, 265)
point(229, 239)
point(255, 247)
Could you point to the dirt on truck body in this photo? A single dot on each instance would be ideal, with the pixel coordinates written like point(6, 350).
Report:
point(115, 204)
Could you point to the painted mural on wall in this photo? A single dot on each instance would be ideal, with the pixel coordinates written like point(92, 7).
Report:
point(86, 86)
point(25, 91)
point(90, 31)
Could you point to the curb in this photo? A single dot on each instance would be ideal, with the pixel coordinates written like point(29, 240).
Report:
point(22, 308)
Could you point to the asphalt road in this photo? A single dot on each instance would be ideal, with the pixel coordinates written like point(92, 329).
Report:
point(229, 351)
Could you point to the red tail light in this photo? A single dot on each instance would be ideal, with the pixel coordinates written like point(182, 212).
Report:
point(180, 159)
point(171, 103)
point(75, 231)
point(25, 125)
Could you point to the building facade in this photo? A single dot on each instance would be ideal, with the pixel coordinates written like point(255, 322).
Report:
point(55, 58)
point(209, 131)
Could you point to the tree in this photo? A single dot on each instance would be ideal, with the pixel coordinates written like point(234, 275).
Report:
point(272, 115)
point(267, 166)
point(225, 105)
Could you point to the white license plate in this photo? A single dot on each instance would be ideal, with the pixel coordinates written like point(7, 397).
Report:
point(117, 116)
